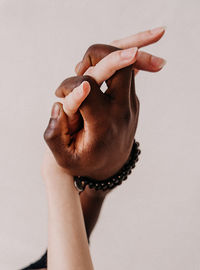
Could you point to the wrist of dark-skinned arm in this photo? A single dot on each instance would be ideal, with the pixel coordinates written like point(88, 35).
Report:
point(91, 202)
point(98, 194)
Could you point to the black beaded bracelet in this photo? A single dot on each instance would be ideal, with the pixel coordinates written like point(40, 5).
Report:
point(81, 182)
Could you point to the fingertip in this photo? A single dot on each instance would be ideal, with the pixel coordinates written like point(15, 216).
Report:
point(72, 102)
point(165, 28)
point(158, 30)
point(86, 87)
point(77, 68)
point(82, 90)
point(55, 111)
point(61, 112)
point(157, 62)
point(59, 92)
point(53, 128)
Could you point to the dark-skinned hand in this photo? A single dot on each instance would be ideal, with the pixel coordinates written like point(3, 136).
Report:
point(80, 128)
point(104, 133)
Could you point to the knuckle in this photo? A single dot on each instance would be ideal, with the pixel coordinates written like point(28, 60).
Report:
point(62, 90)
point(67, 86)
point(89, 79)
point(92, 49)
point(49, 134)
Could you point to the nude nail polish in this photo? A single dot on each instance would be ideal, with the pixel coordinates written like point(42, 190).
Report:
point(158, 62)
point(158, 30)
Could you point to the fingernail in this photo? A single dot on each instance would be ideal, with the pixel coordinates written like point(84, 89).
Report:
point(79, 90)
point(86, 86)
point(158, 30)
point(158, 62)
point(55, 111)
point(129, 53)
point(83, 89)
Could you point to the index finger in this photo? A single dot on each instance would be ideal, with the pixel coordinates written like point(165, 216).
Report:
point(140, 39)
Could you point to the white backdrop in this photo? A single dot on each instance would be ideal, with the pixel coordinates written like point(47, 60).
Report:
point(152, 222)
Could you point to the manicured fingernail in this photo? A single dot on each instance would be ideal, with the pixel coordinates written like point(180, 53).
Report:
point(86, 86)
point(55, 111)
point(79, 90)
point(158, 30)
point(83, 89)
point(158, 62)
point(129, 53)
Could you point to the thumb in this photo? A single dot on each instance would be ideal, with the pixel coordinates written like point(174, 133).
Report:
point(57, 136)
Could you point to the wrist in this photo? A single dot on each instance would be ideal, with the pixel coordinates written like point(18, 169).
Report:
point(52, 173)
point(95, 194)
point(111, 182)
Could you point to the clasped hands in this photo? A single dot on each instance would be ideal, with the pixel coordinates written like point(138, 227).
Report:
point(91, 133)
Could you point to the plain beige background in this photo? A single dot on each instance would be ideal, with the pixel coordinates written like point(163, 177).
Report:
point(153, 221)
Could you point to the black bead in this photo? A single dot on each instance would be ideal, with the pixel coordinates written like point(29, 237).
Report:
point(91, 185)
point(111, 185)
point(116, 179)
point(105, 188)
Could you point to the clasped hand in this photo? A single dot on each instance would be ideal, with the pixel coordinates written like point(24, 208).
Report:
point(91, 133)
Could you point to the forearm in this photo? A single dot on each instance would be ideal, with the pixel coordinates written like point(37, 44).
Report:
point(67, 240)
point(91, 202)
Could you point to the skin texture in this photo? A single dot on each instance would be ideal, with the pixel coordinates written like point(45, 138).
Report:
point(60, 189)
point(91, 200)
point(102, 144)
point(145, 61)
point(67, 239)
point(101, 117)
